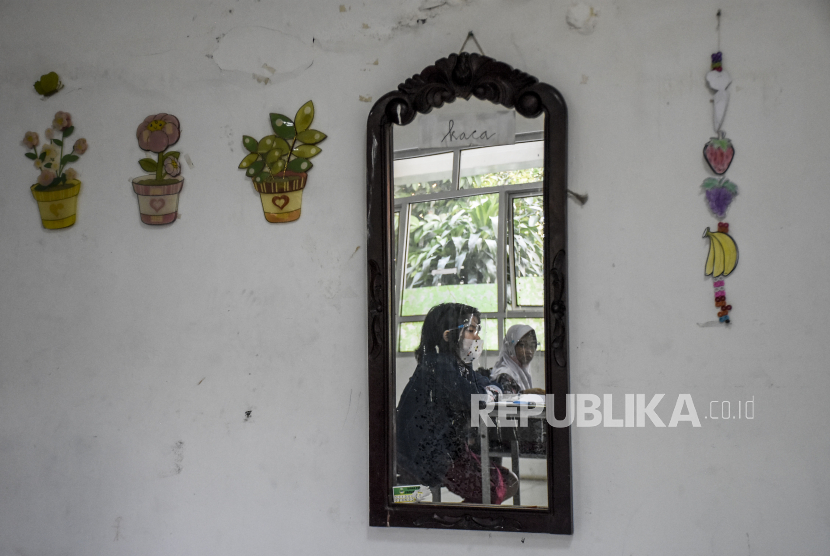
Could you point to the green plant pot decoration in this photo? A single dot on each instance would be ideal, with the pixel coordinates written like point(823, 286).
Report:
point(278, 164)
point(57, 187)
point(158, 192)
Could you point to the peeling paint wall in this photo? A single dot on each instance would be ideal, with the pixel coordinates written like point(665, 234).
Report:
point(201, 389)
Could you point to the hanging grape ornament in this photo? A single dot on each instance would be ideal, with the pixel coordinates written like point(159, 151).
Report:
point(719, 195)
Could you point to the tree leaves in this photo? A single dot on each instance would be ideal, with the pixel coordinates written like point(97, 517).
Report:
point(463, 234)
point(248, 160)
point(267, 143)
point(281, 146)
point(277, 166)
point(300, 165)
point(249, 143)
point(311, 136)
point(282, 126)
point(292, 144)
point(255, 168)
point(443, 235)
point(306, 151)
point(263, 177)
point(528, 236)
point(473, 242)
point(304, 116)
point(273, 158)
point(148, 164)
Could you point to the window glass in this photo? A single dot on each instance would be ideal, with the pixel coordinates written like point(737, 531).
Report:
point(490, 335)
point(528, 235)
point(502, 165)
point(451, 254)
point(537, 324)
point(395, 221)
point(422, 175)
point(451, 244)
point(409, 335)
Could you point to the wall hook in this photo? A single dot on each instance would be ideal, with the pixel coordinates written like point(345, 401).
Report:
point(581, 199)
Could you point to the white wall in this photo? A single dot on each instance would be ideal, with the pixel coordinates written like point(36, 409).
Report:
point(129, 355)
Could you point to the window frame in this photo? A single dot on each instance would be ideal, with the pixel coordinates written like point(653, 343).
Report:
point(519, 311)
point(507, 193)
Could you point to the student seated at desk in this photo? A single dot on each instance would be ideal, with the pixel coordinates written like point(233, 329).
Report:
point(512, 370)
point(433, 415)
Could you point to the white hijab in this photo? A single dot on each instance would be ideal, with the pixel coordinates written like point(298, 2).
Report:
point(508, 363)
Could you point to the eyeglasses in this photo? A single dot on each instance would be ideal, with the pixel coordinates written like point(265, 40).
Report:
point(471, 328)
point(527, 345)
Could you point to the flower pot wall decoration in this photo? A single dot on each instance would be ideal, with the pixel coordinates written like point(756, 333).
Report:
point(158, 192)
point(278, 164)
point(57, 187)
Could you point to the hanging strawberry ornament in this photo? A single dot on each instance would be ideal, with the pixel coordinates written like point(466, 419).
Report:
point(719, 153)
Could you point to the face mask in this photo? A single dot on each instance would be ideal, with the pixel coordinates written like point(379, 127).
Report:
point(470, 350)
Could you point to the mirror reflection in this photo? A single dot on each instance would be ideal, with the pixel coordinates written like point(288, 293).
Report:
point(468, 263)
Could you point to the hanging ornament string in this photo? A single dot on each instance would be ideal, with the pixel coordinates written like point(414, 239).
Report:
point(470, 35)
point(719, 192)
point(581, 199)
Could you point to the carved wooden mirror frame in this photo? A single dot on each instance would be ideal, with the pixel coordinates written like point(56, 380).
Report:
point(462, 76)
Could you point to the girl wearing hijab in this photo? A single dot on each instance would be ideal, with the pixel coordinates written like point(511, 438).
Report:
point(512, 370)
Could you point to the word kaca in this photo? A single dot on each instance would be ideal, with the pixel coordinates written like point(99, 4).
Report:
point(463, 136)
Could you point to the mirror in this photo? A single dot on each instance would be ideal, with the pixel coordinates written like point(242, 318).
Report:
point(467, 328)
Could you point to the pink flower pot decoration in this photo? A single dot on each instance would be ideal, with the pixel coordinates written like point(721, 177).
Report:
point(56, 190)
point(158, 192)
point(158, 132)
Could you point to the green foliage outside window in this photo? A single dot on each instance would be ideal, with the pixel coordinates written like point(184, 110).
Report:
point(422, 188)
point(528, 234)
point(514, 177)
point(455, 234)
point(461, 234)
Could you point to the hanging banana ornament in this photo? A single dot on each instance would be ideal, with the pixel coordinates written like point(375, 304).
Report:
point(722, 260)
point(719, 192)
point(723, 252)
